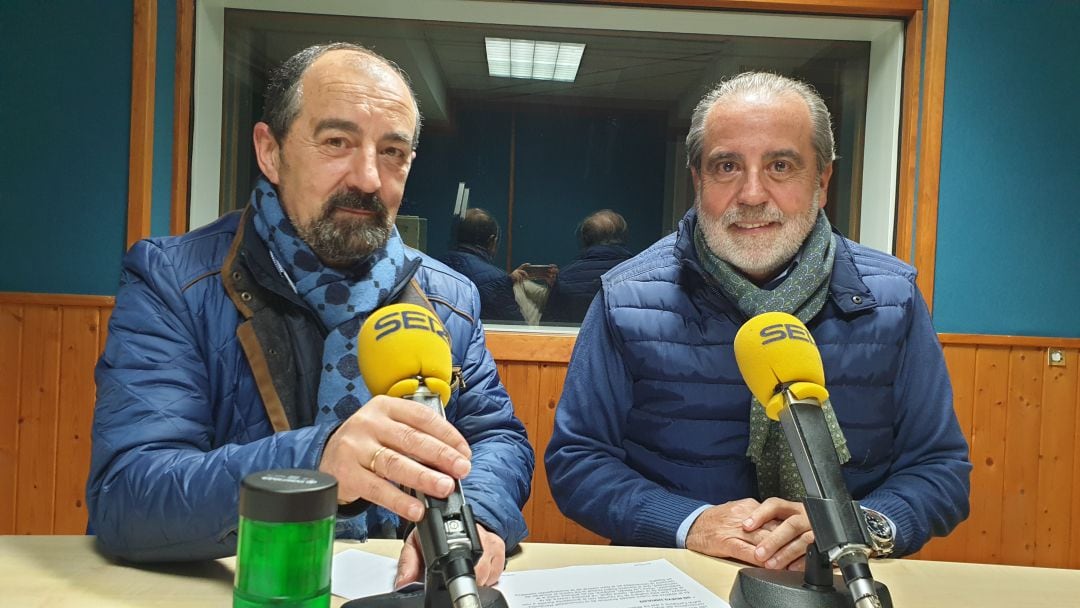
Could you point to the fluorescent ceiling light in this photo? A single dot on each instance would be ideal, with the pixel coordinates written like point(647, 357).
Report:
point(533, 59)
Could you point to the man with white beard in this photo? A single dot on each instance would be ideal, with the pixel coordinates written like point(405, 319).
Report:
point(657, 441)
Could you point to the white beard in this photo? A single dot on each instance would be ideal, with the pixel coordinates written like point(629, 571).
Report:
point(757, 255)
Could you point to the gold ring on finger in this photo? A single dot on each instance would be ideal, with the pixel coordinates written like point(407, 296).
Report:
point(374, 457)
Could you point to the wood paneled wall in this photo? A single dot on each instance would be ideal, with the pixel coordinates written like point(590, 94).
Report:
point(533, 369)
point(1021, 417)
point(48, 347)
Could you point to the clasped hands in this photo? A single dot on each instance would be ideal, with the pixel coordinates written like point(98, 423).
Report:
point(392, 443)
point(773, 534)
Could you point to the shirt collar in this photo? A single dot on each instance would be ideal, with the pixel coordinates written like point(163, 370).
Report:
point(780, 278)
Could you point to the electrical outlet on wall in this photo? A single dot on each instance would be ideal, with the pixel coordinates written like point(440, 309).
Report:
point(1055, 357)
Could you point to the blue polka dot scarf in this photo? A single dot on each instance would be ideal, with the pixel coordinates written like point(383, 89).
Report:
point(342, 300)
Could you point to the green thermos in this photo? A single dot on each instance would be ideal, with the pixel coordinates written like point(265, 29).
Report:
point(286, 543)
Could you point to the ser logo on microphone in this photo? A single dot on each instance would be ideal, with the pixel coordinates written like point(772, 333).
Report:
point(409, 319)
point(785, 331)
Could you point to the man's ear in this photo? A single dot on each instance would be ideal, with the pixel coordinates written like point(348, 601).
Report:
point(697, 178)
point(823, 183)
point(267, 151)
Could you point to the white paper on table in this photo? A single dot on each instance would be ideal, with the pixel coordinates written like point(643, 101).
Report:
point(652, 584)
point(359, 573)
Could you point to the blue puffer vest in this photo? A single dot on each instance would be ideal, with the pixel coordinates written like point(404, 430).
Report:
point(653, 420)
point(579, 281)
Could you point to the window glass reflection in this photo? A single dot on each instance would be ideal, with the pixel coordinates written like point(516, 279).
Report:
point(533, 161)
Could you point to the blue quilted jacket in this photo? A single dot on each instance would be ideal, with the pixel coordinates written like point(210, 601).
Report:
point(654, 417)
point(579, 281)
point(496, 288)
point(210, 372)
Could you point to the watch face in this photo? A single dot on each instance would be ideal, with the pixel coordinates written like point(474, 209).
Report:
point(879, 528)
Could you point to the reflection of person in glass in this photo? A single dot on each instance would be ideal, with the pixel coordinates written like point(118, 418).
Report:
point(232, 349)
point(602, 236)
point(477, 242)
point(655, 420)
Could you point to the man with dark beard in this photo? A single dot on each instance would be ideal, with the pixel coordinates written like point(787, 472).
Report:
point(232, 349)
point(657, 440)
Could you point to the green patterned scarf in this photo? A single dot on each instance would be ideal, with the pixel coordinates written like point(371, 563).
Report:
point(802, 294)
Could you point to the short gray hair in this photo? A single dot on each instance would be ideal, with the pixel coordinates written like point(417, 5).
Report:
point(769, 84)
point(283, 92)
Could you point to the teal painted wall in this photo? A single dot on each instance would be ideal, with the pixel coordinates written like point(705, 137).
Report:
point(65, 110)
point(1008, 253)
point(65, 99)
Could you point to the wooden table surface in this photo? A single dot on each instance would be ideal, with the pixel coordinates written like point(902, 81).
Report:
point(67, 571)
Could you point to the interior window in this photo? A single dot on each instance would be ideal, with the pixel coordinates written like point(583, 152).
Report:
point(541, 155)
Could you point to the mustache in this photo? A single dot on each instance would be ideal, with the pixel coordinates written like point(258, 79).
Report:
point(354, 199)
point(752, 215)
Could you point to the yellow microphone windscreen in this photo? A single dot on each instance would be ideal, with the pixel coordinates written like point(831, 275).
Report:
point(401, 343)
point(775, 348)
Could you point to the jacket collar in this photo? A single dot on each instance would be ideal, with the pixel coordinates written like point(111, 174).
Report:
point(249, 262)
point(476, 250)
point(846, 288)
point(605, 252)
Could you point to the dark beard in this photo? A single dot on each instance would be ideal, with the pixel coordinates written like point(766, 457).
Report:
point(344, 242)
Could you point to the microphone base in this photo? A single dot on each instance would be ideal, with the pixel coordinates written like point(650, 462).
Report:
point(489, 598)
point(761, 588)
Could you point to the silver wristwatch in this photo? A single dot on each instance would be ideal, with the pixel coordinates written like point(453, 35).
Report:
point(882, 532)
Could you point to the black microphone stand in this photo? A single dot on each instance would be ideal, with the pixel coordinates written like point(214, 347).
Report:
point(451, 546)
point(433, 595)
point(840, 533)
point(818, 587)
